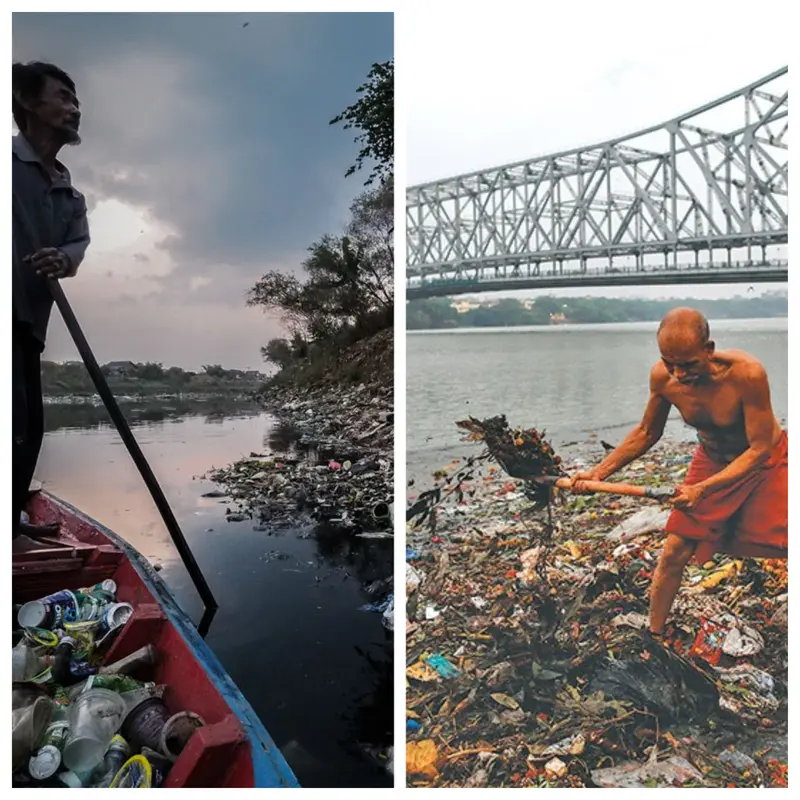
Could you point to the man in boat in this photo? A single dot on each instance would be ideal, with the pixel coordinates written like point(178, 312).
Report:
point(50, 237)
point(734, 497)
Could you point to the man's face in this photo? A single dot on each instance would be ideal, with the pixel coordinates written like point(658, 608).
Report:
point(58, 109)
point(686, 360)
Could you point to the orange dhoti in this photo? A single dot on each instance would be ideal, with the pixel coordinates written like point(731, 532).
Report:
point(748, 519)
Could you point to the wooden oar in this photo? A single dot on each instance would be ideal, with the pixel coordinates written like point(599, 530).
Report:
point(652, 492)
point(135, 452)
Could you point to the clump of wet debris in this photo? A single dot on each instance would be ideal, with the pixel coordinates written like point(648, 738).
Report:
point(338, 471)
point(528, 660)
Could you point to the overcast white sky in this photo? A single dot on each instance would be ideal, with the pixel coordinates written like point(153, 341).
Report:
point(506, 85)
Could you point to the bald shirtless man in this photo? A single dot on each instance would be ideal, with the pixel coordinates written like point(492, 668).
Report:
point(735, 495)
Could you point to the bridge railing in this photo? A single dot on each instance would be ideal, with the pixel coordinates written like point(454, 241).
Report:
point(494, 274)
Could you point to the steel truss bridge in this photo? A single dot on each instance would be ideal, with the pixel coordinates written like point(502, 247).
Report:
point(702, 198)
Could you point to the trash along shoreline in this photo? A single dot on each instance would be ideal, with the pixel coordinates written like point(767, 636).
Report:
point(528, 660)
point(337, 468)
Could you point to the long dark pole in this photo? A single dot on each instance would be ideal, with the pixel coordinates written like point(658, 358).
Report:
point(127, 437)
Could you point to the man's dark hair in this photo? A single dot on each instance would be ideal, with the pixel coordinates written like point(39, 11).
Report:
point(28, 80)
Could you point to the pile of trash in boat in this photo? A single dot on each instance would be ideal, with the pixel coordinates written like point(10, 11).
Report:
point(76, 721)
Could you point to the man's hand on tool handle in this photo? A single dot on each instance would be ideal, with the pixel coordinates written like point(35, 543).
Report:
point(687, 497)
point(578, 481)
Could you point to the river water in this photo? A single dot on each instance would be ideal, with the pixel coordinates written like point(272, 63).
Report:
point(571, 380)
point(288, 631)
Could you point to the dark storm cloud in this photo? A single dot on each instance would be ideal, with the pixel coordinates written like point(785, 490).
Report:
point(220, 130)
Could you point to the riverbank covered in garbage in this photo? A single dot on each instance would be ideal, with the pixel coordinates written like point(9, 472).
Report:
point(527, 662)
point(333, 457)
point(335, 464)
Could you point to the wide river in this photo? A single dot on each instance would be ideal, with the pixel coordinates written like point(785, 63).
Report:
point(288, 631)
point(571, 380)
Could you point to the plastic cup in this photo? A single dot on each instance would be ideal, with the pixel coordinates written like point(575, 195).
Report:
point(49, 612)
point(95, 716)
point(19, 663)
point(114, 617)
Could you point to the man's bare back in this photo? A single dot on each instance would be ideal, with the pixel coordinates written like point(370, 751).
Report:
point(715, 407)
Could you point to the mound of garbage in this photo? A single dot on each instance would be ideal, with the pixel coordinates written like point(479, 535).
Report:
point(339, 471)
point(528, 657)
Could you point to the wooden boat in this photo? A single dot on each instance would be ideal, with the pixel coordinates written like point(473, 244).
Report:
point(233, 749)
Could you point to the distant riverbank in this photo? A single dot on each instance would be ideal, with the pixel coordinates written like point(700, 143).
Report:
point(447, 314)
point(70, 382)
point(127, 396)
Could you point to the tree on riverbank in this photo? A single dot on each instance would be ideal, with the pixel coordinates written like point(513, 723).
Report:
point(373, 116)
point(345, 291)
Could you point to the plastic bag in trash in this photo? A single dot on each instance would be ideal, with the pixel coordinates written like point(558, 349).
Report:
point(664, 683)
point(388, 615)
point(675, 771)
point(652, 518)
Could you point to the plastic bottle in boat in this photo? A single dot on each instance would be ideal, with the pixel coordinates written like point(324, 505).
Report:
point(136, 773)
point(116, 683)
point(159, 764)
point(113, 761)
point(107, 590)
point(65, 670)
point(47, 759)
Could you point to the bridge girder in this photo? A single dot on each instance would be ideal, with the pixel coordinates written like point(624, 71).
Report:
point(684, 186)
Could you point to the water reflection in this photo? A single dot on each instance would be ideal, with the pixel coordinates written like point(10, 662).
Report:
point(89, 415)
point(367, 559)
point(282, 437)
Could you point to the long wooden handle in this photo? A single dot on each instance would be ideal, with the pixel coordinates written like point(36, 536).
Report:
point(128, 439)
point(620, 488)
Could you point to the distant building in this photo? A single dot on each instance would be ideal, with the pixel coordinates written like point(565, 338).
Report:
point(120, 368)
point(462, 306)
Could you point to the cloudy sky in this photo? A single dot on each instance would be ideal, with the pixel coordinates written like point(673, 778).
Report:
point(207, 160)
point(518, 84)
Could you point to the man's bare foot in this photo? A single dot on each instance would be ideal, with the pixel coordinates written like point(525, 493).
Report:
point(37, 532)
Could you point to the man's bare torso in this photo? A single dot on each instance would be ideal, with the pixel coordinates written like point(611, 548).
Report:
point(714, 407)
